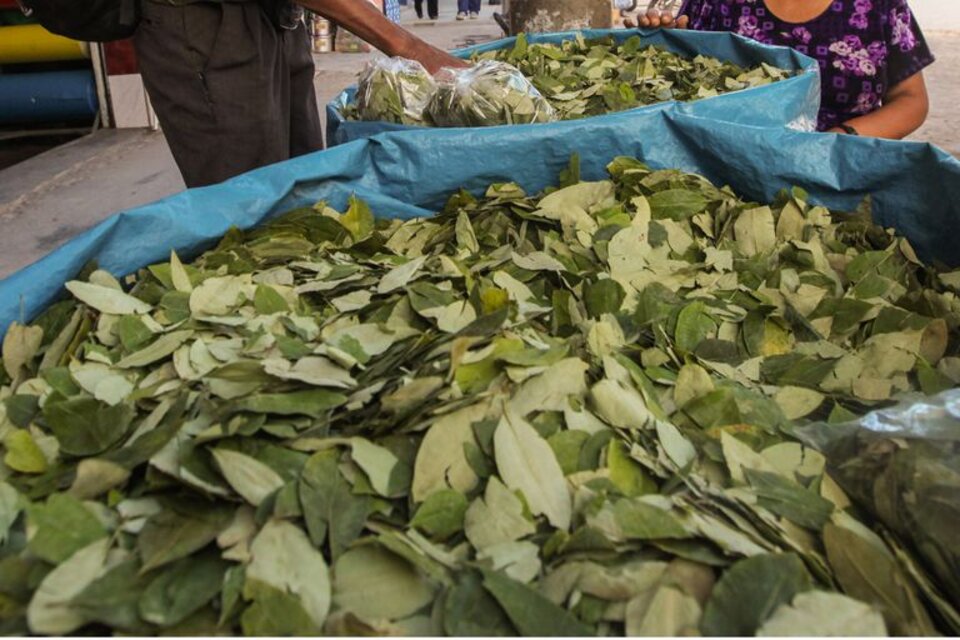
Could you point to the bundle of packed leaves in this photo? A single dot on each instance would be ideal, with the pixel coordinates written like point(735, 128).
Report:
point(488, 94)
point(394, 90)
point(556, 414)
point(579, 78)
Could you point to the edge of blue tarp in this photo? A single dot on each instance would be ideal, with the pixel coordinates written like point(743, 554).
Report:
point(794, 102)
point(915, 186)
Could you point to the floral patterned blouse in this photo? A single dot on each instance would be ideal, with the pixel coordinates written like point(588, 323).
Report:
point(864, 47)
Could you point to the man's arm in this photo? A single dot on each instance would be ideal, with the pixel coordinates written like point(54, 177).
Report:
point(363, 19)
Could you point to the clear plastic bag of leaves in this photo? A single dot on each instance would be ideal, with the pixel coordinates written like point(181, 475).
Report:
point(394, 90)
point(903, 465)
point(488, 94)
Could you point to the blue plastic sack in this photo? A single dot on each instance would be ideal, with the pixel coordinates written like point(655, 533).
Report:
point(916, 187)
point(794, 102)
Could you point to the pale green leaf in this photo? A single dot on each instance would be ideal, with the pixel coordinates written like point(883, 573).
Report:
point(441, 461)
point(400, 276)
point(519, 560)
point(96, 477)
point(824, 614)
point(23, 454)
point(107, 300)
point(179, 275)
point(667, 612)
point(375, 584)
point(620, 405)
point(798, 402)
point(379, 464)
point(249, 477)
point(20, 345)
point(50, 611)
point(495, 518)
point(528, 464)
point(552, 389)
point(755, 232)
point(219, 296)
point(319, 372)
point(284, 559)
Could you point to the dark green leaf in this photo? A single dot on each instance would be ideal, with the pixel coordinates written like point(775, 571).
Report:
point(788, 499)
point(171, 535)
point(63, 526)
point(329, 506)
point(182, 589)
point(470, 611)
point(750, 591)
point(86, 427)
point(441, 515)
point(313, 403)
point(531, 613)
point(677, 204)
point(641, 521)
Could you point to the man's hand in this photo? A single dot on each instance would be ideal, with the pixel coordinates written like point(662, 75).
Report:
point(364, 20)
point(432, 58)
point(655, 18)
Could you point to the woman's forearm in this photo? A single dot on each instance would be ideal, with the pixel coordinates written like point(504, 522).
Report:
point(903, 112)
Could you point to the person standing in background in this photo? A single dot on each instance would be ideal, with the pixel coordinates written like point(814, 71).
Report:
point(468, 8)
point(432, 9)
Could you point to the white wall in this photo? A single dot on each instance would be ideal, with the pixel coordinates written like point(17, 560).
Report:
point(939, 15)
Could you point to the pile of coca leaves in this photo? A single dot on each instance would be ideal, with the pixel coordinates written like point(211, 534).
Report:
point(574, 79)
point(587, 77)
point(556, 414)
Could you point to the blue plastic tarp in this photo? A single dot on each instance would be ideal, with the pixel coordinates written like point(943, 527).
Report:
point(794, 102)
point(915, 186)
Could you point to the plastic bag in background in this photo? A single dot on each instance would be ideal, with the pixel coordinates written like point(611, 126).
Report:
point(394, 90)
point(488, 94)
point(903, 465)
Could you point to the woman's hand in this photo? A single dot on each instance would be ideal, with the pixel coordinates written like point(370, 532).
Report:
point(655, 18)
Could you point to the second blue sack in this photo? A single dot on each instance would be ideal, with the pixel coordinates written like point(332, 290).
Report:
point(709, 91)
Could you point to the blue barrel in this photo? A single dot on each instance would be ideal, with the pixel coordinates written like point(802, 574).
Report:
point(47, 97)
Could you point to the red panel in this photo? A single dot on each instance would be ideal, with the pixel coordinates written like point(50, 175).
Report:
point(120, 58)
point(9, 4)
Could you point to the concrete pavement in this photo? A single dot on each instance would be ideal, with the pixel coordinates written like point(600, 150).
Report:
point(944, 15)
point(50, 198)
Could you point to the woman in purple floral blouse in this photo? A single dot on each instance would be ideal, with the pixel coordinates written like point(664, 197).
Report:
point(871, 54)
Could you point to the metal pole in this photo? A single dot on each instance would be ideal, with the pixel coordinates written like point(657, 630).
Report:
point(100, 76)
